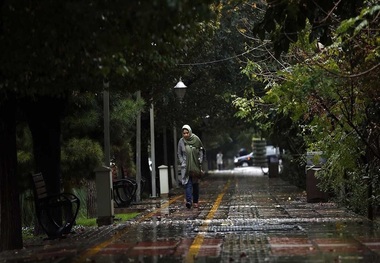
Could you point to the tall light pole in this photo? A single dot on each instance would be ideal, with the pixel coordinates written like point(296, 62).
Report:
point(180, 91)
point(106, 114)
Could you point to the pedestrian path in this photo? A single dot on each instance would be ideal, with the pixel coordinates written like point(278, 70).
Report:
point(242, 217)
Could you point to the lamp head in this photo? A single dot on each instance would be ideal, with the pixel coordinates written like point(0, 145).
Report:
point(180, 89)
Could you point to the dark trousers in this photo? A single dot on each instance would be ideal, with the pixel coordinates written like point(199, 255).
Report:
point(192, 191)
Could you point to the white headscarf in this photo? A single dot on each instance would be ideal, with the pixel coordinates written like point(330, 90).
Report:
point(187, 127)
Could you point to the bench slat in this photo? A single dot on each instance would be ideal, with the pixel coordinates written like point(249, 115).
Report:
point(54, 225)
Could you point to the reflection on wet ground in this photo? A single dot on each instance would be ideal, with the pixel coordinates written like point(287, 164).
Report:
point(242, 218)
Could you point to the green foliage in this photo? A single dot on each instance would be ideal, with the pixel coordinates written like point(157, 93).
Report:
point(210, 66)
point(285, 20)
point(27, 233)
point(321, 97)
point(356, 25)
point(27, 207)
point(322, 102)
point(84, 114)
point(124, 111)
point(57, 49)
point(73, 46)
point(80, 156)
point(24, 150)
point(83, 137)
point(251, 110)
point(123, 114)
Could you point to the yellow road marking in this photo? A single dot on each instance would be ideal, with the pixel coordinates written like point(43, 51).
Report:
point(195, 246)
point(95, 249)
point(197, 243)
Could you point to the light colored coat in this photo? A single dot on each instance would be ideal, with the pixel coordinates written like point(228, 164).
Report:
point(182, 158)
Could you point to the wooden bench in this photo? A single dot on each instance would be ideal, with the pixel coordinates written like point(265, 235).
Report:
point(56, 214)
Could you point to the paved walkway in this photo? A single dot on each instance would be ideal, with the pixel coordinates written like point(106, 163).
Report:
point(243, 217)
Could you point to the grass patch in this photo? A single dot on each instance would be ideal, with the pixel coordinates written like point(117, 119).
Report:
point(28, 232)
point(128, 216)
point(82, 221)
point(85, 221)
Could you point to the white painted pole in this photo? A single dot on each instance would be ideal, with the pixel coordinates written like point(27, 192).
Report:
point(152, 151)
point(175, 165)
point(138, 152)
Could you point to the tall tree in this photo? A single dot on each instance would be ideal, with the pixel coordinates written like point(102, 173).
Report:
point(324, 89)
point(51, 49)
point(285, 20)
point(210, 65)
point(10, 217)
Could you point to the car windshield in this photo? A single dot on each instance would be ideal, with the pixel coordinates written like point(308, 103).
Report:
point(271, 150)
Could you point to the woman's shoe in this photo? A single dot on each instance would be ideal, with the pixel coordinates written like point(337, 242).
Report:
point(188, 205)
point(195, 205)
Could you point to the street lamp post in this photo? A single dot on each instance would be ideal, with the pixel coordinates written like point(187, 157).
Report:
point(106, 120)
point(103, 178)
point(180, 90)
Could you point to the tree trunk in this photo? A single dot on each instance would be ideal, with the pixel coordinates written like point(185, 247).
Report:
point(91, 199)
point(44, 116)
point(10, 218)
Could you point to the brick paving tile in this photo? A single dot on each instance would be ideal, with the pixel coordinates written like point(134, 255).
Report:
point(243, 216)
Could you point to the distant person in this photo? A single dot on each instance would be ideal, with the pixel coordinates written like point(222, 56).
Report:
point(114, 170)
point(190, 155)
point(219, 160)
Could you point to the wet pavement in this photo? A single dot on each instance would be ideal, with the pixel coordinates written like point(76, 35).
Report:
point(243, 216)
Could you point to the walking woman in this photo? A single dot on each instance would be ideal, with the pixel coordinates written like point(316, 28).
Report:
point(190, 155)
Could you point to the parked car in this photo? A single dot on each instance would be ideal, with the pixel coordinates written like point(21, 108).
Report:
point(247, 160)
point(244, 161)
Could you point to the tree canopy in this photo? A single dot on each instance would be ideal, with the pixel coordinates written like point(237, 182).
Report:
point(54, 50)
point(312, 69)
point(322, 78)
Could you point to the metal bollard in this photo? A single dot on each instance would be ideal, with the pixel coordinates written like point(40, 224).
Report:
point(164, 180)
point(104, 196)
point(314, 193)
point(273, 166)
